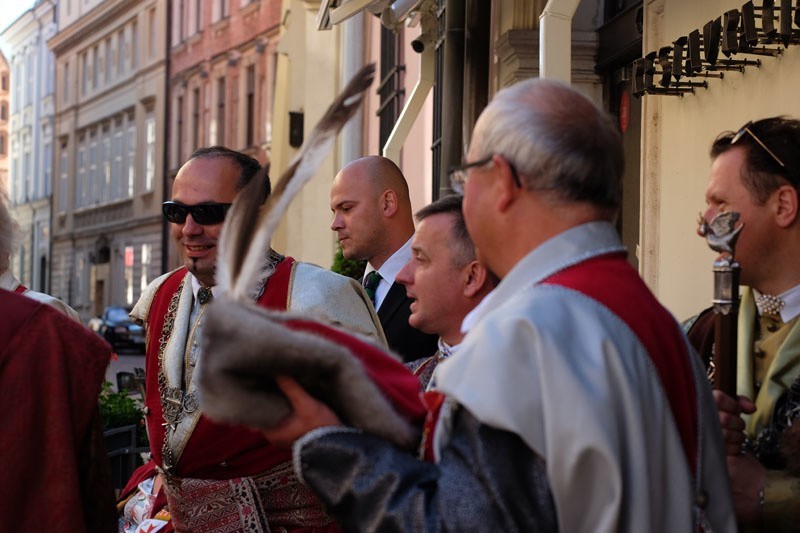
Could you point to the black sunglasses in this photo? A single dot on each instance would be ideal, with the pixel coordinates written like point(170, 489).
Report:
point(205, 214)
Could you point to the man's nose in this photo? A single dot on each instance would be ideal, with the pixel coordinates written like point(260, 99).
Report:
point(406, 274)
point(336, 223)
point(190, 227)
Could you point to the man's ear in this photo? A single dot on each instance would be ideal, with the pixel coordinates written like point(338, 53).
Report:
point(785, 204)
point(389, 203)
point(475, 278)
point(505, 181)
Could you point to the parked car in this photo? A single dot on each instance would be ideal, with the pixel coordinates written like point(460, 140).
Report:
point(119, 330)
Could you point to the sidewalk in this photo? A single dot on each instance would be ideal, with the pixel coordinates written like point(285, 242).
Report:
point(123, 363)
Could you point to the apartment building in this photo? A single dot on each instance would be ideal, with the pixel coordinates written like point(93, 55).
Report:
point(108, 232)
point(222, 72)
point(30, 141)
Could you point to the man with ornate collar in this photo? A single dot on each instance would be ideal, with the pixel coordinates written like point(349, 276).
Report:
point(756, 173)
point(198, 464)
point(443, 279)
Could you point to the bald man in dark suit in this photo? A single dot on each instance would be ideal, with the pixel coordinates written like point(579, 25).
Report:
point(373, 221)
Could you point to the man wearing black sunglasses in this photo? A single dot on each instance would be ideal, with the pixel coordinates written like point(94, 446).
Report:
point(756, 172)
point(191, 454)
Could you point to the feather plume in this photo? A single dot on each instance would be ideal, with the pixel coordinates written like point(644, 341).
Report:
point(245, 239)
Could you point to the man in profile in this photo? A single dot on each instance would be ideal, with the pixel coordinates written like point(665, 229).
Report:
point(372, 219)
point(443, 279)
point(756, 172)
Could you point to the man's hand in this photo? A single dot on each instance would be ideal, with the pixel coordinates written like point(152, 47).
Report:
point(747, 483)
point(746, 472)
point(730, 411)
point(307, 414)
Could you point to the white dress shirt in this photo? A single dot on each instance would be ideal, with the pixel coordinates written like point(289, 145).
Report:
point(389, 271)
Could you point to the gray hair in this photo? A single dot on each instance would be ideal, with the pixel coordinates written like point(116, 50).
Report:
point(557, 140)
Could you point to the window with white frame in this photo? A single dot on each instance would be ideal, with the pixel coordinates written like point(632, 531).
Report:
point(196, 118)
point(150, 151)
point(129, 259)
point(198, 14)
point(96, 67)
point(250, 106)
point(122, 56)
point(49, 74)
point(105, 164)
point(84, 73)
point(81, 275)
point(80, 183)
point(29, 69)
point(47, 163)
point(94, 178)
point(16, 185)
point(116, 165)
point(134, 45)
point(27, 171)
point(183, 19)
point(65, 86)
point(63, 182)
point(220, 10)
point(147, 258)
point(109, 60)
point(179, 130)
point(152, 29)
point(131, 159)
point(177, 24)
point(220, 122)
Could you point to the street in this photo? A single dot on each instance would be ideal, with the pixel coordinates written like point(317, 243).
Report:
point(124, 362)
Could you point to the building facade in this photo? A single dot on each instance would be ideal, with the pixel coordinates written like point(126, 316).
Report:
point(108, 231)
point(30, 141)
point(222, 78)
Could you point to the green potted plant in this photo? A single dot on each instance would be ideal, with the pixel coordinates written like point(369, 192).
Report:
point(348, 267)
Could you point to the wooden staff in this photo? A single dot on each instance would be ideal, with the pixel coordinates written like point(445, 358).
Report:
point(721, 234)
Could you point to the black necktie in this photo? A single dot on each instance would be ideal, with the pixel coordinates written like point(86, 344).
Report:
point(204, 295)
point(371, 282)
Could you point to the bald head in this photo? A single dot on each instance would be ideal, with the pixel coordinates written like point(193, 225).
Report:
point(371, 209)
point(376, 172)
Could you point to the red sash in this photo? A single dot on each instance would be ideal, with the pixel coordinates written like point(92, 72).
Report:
point(624, 293)
point(21, 289)
point(214, 451)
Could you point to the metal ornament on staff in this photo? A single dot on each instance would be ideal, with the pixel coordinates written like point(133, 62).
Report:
point(721, 234)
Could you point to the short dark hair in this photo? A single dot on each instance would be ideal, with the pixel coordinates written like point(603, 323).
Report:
point(762, 174)
point(461, 243)
point(249, 166)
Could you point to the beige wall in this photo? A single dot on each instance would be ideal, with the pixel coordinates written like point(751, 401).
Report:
point(309, 78)
point(677, 133)
point(308, 64)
